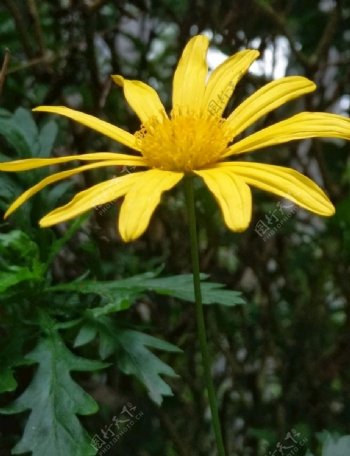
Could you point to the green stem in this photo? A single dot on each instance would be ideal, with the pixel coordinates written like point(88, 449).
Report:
point(200, 315)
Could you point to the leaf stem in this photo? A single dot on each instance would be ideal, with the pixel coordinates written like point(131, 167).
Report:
point(200, 315)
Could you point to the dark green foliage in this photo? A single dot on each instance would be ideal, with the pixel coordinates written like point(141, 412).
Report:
point(36, 309)
point(54, 399)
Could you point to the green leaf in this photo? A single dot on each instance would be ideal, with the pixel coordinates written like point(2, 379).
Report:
point(9, 190)
point(114, 298)
point(179, 286)
point(26, 125)
point(13, 135)
point(15, 277)
point(87, 333)
point(55, 194)
point(11, 356)
point(18, 248)
point(55, 399)
point(133, 354)
point(19, 260)
point(21, 132)
point(7, 380)
point(136, 359)
point(118, 304)
point(47, 138)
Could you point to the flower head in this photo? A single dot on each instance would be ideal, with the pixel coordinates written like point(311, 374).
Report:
point(194, 138)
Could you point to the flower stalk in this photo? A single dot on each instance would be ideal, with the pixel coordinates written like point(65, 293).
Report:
point(190, 203)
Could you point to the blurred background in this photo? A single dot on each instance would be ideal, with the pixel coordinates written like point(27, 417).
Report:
point(281, 360)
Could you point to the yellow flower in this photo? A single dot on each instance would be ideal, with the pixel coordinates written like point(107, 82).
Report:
point(193, 139)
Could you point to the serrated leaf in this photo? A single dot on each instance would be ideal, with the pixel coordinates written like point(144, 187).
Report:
point(136, 359)
point(55, 399)
point(10, 357)
point(179, 286)
point(103, 327)
point(133, 354)
point(114, 298)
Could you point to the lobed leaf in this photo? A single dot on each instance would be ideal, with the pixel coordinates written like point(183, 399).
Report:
point(55, 399)
point(179, 286)
point(132, 352)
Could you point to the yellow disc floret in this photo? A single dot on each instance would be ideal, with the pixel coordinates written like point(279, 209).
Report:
point(184, 142)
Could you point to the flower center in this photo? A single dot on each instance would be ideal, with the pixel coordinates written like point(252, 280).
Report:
point(186, 141)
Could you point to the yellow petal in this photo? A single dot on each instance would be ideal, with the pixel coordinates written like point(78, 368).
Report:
point(285, 182)
point(224, 79)
point(107, 129)
point(143, 99)
point(142, 199)
point(102, 193)
point(232, 194)
point(190, 75)
point(266, 99)
point(301, 126)
point(57, 177)
point(32, 163)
